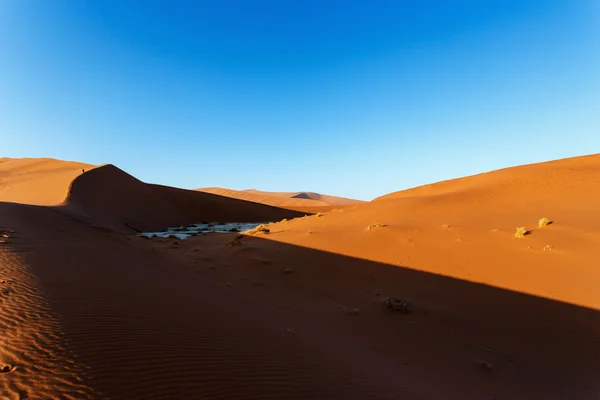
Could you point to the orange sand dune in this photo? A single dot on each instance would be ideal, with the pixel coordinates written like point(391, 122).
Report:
point(109, 197)
point(298, 313)
point(292, 200)
point(327, 199)
point(41, 181)
point(464, 228)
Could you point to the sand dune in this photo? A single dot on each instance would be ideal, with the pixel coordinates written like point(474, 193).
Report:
point(456, 227)
point(299, 313)
point(109, 197)
point(41, 181)
point(324, 198)
point(291, 200)
point(138, 324)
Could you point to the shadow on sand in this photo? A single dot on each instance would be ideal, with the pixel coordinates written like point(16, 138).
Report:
point(149, 324)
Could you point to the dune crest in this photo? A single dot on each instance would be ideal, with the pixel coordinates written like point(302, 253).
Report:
point(37, 181)
point(111, 198)
point(424, 294)
point(303, 201)
point(533, 180)
point(465, 228)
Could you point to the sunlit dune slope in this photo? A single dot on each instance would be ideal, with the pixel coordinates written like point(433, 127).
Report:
point(465, 228)
point(39, 181)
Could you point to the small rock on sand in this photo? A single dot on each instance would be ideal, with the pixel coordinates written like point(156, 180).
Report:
point(396, 304)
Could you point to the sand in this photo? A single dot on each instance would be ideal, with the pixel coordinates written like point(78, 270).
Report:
point(40, 181)
point(90, 311)
point(111, 199)
point(291, 200)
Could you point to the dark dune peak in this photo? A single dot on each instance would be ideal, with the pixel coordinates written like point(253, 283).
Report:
point(109, 197)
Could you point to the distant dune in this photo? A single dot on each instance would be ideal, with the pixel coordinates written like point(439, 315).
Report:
point(291, 200)
point(302, 310)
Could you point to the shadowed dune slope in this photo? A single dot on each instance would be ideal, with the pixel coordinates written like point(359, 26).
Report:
point(114, 320)
point(111, 198)
point(39, 181)
point(292, 200)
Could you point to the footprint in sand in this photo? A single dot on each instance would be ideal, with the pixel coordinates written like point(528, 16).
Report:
point(7, 369)
point(23, 395)
point(5, 293)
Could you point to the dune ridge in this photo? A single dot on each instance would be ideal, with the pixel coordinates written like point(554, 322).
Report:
point(291, 200)
point(38, 181)
point(300, 312)
point(455, 227)
point(539, 178)
point(109, 197)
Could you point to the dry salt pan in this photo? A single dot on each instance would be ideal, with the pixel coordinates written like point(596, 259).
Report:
point(184, 232)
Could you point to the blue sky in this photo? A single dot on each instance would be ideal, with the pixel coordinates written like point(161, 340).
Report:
point(346, 97)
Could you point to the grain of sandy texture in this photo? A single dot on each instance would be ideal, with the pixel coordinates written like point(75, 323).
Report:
point(147, 327)
point(34, 360)
point(299, 312)
point(41, 181)
point(292, 200)
point(462, 340)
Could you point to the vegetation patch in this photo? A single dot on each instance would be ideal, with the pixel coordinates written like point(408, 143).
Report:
point(398, 305)
point(544, 222)
point(521, 232)
point(375, 226)
point(260, 229)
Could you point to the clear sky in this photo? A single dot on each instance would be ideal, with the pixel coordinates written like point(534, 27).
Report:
point(345, 97)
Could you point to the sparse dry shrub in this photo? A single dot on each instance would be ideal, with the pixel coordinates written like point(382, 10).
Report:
point(260, 229)
point(396, 304)
point(373, 226)
point(521, 232)
point(544, 222)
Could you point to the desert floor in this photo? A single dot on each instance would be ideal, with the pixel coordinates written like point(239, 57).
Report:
point(90, 310)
